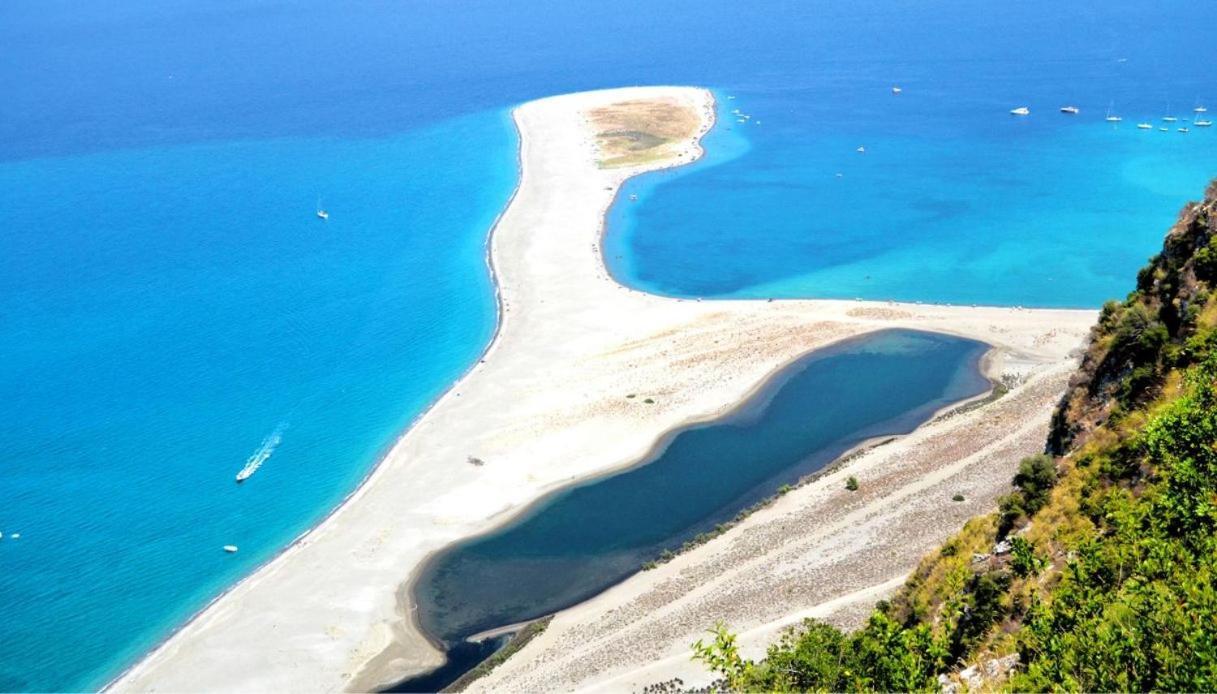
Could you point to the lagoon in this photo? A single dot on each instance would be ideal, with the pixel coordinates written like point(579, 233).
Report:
point(578, 541)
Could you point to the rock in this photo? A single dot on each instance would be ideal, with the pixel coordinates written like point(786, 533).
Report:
point(971, 677)
point(1001, 548)
point(979, 557)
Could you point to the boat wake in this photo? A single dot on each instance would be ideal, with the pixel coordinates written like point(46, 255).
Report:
point(264, 452)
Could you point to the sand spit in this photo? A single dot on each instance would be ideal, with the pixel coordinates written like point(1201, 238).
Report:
point(545, 407)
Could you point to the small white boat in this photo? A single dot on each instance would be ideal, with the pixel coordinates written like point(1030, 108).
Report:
point(1200, 109)
point(1203, 123)
point(1184, 130)
point(1144, 126)
point(321, 213)
point(1020, 111)
point(1164, 130)
point(1169, 119)
point(633, 196)
point(1071, 110)
point(231, 549)
point(264, 452)
point(861, 150)
point(896, 90)
point(730, 98)
point(15, 536)
point(1110, 117)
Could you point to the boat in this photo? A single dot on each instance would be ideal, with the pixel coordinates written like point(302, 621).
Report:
point(1164, 130)
point(1071, 110)
point(231, 549)
point(1184, 130)
point(260, 456)
point(1144, 126)
point(896, 90)
point(1169, 119)
point(1020, 111)
point(321, 213)
point(1111, 118)
point(861, 150)
point(1202, 123)
point(1200, 109)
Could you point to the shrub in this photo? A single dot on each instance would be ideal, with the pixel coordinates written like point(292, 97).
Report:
point(852, 483)
point(1035, 479)
point(1023, 559)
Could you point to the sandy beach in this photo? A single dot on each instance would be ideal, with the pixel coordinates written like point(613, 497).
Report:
point(546, 406)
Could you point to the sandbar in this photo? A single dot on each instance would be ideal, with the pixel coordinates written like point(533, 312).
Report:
point(546, 406)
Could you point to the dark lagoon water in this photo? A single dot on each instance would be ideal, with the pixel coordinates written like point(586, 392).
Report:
point(577, 542)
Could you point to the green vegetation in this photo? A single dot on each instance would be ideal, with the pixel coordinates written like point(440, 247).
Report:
point(852, 483)
point(1098, 570)
point(957, 497)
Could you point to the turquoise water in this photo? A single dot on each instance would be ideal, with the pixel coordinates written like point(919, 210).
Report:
point(581, 540)
point(969, 206)
point(168, 301)
point(178, 307)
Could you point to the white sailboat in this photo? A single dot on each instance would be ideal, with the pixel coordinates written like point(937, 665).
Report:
point(321, 213)
point(1110, 117)
point(1020, 111)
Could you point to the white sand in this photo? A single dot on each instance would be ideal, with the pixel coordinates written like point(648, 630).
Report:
point(546, 407)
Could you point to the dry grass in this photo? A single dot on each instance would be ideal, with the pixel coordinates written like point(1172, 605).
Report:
point(641, 131)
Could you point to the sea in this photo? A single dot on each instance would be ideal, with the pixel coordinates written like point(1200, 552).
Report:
point(171, 305)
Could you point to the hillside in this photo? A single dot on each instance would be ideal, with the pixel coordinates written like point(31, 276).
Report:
point(1097, 571)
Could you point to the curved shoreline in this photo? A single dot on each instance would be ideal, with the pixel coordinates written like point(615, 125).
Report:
point(579, 338)
point(757, 397)
point(381, 457)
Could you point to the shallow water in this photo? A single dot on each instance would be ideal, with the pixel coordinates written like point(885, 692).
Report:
point(581, 540)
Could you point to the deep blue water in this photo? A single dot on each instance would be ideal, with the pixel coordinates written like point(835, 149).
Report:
point(581, 540)
point(168, 301)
